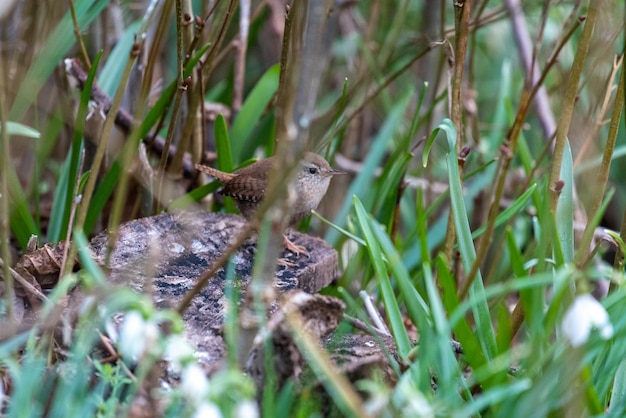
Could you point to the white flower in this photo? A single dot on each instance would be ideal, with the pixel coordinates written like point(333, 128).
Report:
point(178, 351)
point(111, 331)
point(194, 383)
point(137, 335)
point(247, 409)
point(583, 315)
point(207, 410)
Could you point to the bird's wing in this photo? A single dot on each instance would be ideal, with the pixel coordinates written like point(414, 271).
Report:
point(247, 189)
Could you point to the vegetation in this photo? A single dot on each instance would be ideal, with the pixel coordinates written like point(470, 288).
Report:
point(483, 141)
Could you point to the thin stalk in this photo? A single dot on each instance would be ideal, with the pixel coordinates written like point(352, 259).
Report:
point(65, 265)
point(462, 12)
point(208, 63)
point(528, 55)
point(5, 161)
point(618, 263)
point(305, 59)
point(342, 390)
point(168, 138)
point(604, 108)
point(240, 60)
point(503, 168)
point(569, 101)
point(193, 125)
point(603, 173)
point(79, 38)
point(104, 141)
point(462, 24)
point(182, 87)
point(508, 151)
point(132, 144)
point(99, 156)
point(158, 34)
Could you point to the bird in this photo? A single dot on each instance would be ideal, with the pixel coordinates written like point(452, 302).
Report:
point(248, 187)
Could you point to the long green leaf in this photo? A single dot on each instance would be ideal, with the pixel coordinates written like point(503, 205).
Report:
point(565, 208)
point(101, 196)
point(391, 305)
point(450, 301)
point(416, 306)
point(63, 210)
point(159, 107)
point(466, 336)
point(222, 143)
point(363, 181)
point(251, 111)
point(20, 219)
point(111, 74)
point(224, 155)
point(14, 128)
point(507, 213)
point(57, 46)
point(484, 327)
point(618, 394)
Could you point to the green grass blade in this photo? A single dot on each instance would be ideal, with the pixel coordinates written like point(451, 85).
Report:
point(58, 203)
point(111, 74)
point(565, 208)
point(224, 155)
point(193, 196)
point(251, 111)
point(161, 105)
point(391, 305)
point(482, 316)
point(58, 45)
point(463, 331)
point(448, 368)
point(361, 185)
point(76, 149)
point(87, 261)
point(416, 306)
point(507, 213)
point(101, 196)
point(343, 231)
point(21, 220)
point(618, 394)
point(14, 128)
point(494, 396)
point(222, 143)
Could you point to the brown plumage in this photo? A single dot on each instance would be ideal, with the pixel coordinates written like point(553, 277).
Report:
point(248, 186)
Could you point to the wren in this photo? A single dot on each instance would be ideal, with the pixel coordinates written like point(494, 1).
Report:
point(248, 186)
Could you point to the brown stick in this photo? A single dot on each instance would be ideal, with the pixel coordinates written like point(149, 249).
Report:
point(125, 121)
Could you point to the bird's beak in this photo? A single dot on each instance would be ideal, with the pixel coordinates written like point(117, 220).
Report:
point(334, 172)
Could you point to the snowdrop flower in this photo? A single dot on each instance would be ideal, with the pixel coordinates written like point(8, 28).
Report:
point(583, 315)
point(247, 409)
point(137, 335)
point(194, 383)
point(178, 352)
point(207, 410)
point(111, 330)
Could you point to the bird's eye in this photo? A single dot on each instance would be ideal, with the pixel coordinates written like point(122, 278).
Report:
point(312, 170)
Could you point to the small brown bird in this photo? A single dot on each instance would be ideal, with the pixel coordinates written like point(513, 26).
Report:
point(248, 187)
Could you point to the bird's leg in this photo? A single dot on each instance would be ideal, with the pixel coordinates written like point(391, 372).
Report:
point(287, 264)
point(296, 249)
